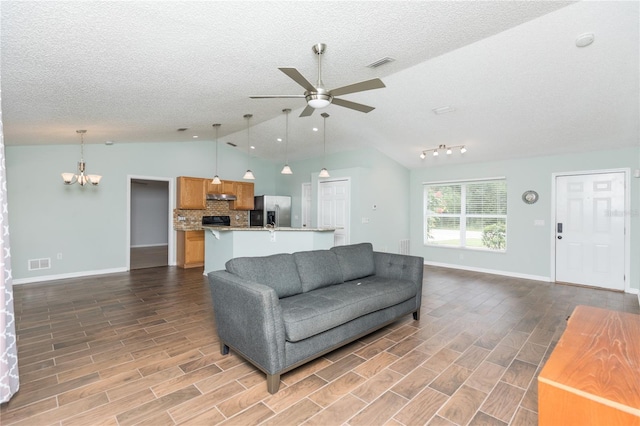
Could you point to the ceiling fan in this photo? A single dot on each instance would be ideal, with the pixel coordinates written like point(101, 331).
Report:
point(319, 97)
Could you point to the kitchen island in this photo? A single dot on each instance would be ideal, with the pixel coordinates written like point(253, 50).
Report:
point(222, 243)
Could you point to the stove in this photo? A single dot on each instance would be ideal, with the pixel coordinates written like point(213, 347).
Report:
point(216, 220)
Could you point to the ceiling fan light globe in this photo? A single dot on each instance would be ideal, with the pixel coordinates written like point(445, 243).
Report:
point(318, 100)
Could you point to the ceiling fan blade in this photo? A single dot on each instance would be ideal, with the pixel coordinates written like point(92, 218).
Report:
point(375, 83)
point(295, 75)
point(307, 111)
point(352, 105)
point(275, 96)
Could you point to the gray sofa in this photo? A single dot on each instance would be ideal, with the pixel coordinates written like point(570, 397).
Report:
point(281, 311)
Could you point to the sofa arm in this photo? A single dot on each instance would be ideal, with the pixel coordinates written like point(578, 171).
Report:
point(402, 267)
point(249, 319)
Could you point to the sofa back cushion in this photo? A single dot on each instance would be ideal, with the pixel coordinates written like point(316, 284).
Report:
point(317, 269)
point(278, 271)
point(356, 260)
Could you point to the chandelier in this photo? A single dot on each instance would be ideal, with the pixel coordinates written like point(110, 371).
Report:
point(448, 149)
point(81, 177)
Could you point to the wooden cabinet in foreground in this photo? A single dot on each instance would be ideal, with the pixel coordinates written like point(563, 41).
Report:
point(191, 193)
point(593, 374)
point(244, 196)
point(190, 249)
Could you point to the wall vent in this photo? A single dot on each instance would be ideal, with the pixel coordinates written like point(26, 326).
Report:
point(404, 247)
point(36, 264)
point(380, 62)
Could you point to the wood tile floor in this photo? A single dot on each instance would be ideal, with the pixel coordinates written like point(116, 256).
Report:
point(148, 257)
point(141, 348)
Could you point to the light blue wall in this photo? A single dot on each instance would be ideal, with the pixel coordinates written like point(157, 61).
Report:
point(88, 224)
point(529, 247)
point(375, 179)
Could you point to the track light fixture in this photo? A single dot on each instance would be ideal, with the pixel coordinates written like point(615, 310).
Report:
point(448, 149)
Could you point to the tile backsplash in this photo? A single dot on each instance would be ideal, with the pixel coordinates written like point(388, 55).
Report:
point(239, 218)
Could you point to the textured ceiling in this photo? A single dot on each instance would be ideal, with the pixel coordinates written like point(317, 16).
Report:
point(137, 71)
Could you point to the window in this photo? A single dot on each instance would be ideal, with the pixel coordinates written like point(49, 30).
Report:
point(466, 214)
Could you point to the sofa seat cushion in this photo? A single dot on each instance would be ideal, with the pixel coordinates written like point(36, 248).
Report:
point(310, 313)
point(356, 260)
point(278, 271)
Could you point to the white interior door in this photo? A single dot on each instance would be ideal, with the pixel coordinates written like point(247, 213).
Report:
point(590, 230)
point(333, 209)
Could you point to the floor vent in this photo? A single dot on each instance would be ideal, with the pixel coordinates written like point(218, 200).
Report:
point(404, 246)
point(35, 264)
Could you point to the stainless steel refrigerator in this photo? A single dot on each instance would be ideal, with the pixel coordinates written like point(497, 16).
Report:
point(273, 210)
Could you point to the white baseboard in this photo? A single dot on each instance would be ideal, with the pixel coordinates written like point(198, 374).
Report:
point(512, 274)
point(491, 271)
point(150, 245)
point(43, 278)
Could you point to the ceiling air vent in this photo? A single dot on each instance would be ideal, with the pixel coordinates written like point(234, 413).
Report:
point(380, 62)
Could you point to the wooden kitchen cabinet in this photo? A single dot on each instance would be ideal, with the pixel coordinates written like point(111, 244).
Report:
point(244, 196)
point(225, 187)
point(190, 249)
point(191, 193)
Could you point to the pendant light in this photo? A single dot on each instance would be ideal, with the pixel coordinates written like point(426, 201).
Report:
point(81, 178)
point(216, 179)
point(324, 173)
point(286, 170)
point(248, 174)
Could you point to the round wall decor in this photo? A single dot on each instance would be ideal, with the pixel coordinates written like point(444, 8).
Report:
point(530, 197)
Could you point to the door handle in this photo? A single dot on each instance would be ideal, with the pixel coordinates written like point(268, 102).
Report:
point(559, 237)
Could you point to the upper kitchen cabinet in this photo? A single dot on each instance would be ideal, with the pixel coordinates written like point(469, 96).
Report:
point(244, 196)
point(225, 187)
point(192, 193)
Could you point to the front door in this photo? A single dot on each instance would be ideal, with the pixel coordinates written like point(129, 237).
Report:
point(590, 230)
point(333, 209)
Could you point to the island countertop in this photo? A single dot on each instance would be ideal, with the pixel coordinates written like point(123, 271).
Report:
point(262, 228)
point(196, 227)
point(222, 243)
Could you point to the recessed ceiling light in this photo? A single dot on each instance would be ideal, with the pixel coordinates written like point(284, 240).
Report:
point(279, 139)
point(315, 129)
point(108, 142)
point(583, 40)
point(253, 147)
point(443, 110)
point(195, 136)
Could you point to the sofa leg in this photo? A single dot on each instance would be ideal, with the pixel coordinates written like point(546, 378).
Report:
point(273, 383)
point(416, 315)
point(224, 349)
